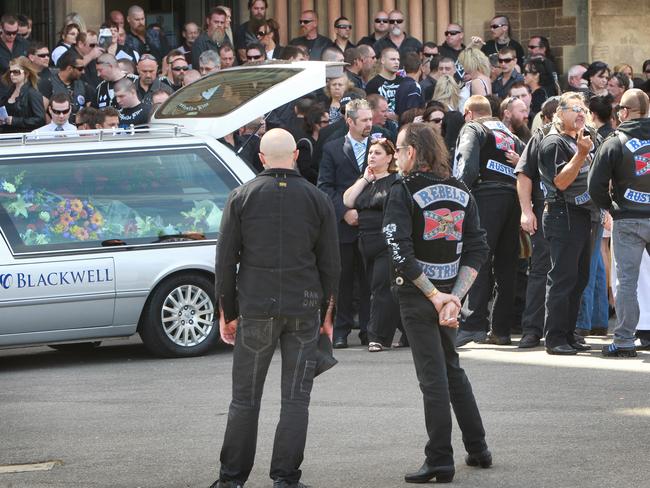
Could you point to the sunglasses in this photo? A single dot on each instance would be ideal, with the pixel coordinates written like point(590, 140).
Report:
point(577, 109)
point(496, 26)
point(435, 120)
point(180, 68)
point(528, 72)
point(254, 57)
point(60, 112)
point(395, 21)
point(324, 122)
point(92, 45)
point(533, 47)
point(43, 55)
point(343, 26)
point(16, 72)
point(621, 107)
point(381, 21)
point(305, 21)
point(505, 60)
point(79, 68)
point(452, 33)
point(262, 33)
point(10, 33)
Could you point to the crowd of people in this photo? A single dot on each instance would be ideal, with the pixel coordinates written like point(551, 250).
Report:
point(523, 139)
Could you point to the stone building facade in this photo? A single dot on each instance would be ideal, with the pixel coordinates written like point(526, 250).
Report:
point(579, 30)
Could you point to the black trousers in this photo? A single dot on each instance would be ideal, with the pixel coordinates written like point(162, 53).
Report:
point(441, 379)
point(384, 310)
point(351, 269)
point(532, 321)
point(499, 213)
point(568, 230)
point(254, 347)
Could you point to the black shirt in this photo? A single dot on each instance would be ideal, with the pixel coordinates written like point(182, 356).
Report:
point(370, 204)
point(278, 250)
point(491, 47)
point(409, 44)
point(105, 94)
point(138, 115)
point(386, 88)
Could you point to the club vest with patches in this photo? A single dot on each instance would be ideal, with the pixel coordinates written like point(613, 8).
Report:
point(438, 213)
point(631, 187)
point(494, 165)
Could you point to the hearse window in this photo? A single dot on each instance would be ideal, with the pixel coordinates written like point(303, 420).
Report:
point(223, 92)
point(81, 201)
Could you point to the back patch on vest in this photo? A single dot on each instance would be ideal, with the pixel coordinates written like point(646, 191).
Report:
point(443, 224)
point(436, 193)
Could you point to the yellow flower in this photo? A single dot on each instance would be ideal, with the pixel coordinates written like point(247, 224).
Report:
point(76, 205)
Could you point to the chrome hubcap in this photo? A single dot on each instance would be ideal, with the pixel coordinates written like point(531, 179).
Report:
point(187, 315)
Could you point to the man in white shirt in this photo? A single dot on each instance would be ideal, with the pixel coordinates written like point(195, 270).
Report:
point(59, 111)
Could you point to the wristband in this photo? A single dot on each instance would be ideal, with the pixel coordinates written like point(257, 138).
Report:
point(432, 293)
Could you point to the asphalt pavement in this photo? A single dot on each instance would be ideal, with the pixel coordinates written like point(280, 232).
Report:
point(119, 418)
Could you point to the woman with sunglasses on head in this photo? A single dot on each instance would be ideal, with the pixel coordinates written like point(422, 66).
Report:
point(23, 101)
point(68, 38)
point(268, 35)
point(536, 77)
point(368, 195)
point(565, 156)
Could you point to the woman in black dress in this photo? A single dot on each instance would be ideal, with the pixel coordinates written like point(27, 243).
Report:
point(368, 196)
point(21, 99)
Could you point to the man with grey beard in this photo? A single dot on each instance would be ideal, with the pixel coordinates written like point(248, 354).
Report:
point(214, 37)
point(397, 37)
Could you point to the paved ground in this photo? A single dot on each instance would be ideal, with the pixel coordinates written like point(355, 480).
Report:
point(119, 418)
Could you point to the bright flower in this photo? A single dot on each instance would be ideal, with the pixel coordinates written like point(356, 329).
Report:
point(8, 187)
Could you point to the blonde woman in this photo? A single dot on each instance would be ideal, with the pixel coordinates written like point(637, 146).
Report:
point(625, 69)
point(477, 74)
point(447, 92)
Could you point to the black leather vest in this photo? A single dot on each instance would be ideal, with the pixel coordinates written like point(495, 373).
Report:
point(632, 191)
point(438, 213)
point(494, 165)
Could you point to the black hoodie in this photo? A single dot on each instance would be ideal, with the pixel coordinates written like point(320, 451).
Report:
point(624, 158)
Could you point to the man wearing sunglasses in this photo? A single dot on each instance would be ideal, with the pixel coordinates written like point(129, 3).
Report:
point(39, 55)
point(310, 38)
point(501, 32)
point(622, 164)
point(89, 51)
point(453, 44)
point(343, 30)
point(507, 59)
point(59, 111)
point(380, 30)
point(68, 82)
point(11, 44)
point(397, 37)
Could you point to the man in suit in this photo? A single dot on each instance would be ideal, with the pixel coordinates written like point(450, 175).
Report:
point(343, 162)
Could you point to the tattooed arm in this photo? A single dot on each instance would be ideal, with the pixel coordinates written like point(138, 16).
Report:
point(464, 281)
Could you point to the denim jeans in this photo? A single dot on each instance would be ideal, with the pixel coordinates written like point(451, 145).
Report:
point(630, 237)
point(594, 309)
point(441, 379)
point(254, 348)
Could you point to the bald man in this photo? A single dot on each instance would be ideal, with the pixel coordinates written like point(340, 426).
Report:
point(624, 161)
point(277, 270)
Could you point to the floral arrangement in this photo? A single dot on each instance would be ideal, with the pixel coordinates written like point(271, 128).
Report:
point(42, 217)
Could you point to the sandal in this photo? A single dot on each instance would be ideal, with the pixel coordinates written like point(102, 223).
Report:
point(375, 347)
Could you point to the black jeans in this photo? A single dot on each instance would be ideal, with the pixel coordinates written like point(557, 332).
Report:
point(441, 379)
point(568, 230)
point(351, 269)
point(384, 311)
point(254, 347)
point(499, 213)
point(532, 321)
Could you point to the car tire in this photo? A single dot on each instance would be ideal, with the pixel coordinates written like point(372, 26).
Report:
point(180, 319)
point(76, 347)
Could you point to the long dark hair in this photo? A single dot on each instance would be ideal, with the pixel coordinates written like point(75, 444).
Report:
point(431, 154)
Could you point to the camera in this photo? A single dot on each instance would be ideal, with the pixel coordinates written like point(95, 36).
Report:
point(105, 38)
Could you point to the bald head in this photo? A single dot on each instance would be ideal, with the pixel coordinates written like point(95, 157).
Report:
point(278, 149)
point(636, 101)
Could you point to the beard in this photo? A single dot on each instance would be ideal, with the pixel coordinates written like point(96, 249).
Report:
point(521, 130)
point(396, 31)
point(218, 36)
point(140, 30)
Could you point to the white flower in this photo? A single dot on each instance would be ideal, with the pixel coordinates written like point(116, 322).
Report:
point(8, 187)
